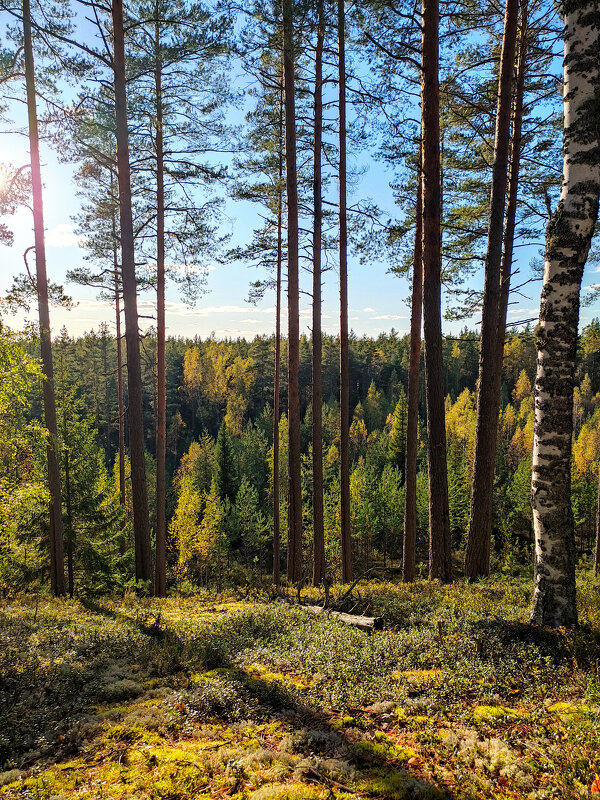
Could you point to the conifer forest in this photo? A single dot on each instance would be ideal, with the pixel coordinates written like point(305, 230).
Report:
point(317, 557)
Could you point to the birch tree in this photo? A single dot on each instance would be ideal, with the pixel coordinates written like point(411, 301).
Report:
point(568, 240)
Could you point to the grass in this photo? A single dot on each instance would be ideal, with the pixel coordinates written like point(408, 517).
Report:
point(196, 698)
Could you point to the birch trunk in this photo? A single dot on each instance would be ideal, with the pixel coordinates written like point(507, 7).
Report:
point(568, 240)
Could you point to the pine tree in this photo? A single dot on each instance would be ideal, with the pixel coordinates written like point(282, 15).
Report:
point(225, 476)
point(397, 447)
point(440, 563)
point(141, 520)
point(57, 574)
point(477, 557)
point(294, 561)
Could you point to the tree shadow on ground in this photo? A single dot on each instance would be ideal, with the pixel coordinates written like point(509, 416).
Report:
point(357, 759)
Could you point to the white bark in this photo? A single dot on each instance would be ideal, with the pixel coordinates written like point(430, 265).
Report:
point(567, 245)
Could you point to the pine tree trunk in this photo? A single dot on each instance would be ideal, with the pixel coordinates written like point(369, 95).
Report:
point(477, 557)
point(69, 509)
point(513, 192)
point(409, 556)
point(346, 539)
point(161, 386)
point(57, 566)
point(440, 562)
point(568, 240)
point(276, 498)
point(139, 490)
point(120, 399)
point(597, 545)
point(317, 345)
point(294, 559)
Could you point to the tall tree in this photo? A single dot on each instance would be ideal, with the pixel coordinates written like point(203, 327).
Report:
point(276, 379)
point(160, 579)
point(294, 559)
point(176, 100)
point(346, 540)
point(597, 543)
point(409, 559)
point(141, 521)
point(477, 557)
point(568, 241)
point(57, 570)
point(317, 344)
point(440, 562)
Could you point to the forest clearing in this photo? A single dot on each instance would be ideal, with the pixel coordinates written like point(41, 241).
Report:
point(335, 534)
point(223, 697)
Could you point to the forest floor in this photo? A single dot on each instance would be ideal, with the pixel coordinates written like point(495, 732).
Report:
point(192, 698)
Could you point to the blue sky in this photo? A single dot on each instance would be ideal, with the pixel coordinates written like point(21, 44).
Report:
point(377, 298)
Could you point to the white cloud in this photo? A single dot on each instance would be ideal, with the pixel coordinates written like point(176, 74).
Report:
point(524, 311)
point(62, 235)
point(190, 269)
point(388, 316)
point(183, 310)
point(368, 310)
point(99, 304)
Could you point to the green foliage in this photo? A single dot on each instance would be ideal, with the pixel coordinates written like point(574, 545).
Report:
point(225, 475)
point(167, 697)
point(397, 447)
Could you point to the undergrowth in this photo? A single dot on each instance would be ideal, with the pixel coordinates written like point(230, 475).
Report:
point(196, 697)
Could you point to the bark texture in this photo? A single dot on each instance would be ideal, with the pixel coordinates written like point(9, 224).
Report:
point(597, 547)
point(160, 578)
point(57, 564)
point(568, 241)
point(276, 515)
point(294, 559)
point(346, 539)
point(440, 562)
point(409, 545)
point(477, 557)
point(139, 491)
point(317, 346)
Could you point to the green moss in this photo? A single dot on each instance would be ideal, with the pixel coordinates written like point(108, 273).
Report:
point(490, 714)
point(570, 713)
point(288, 792)
point(343, 722)
point(382, 749)
point(392, 785)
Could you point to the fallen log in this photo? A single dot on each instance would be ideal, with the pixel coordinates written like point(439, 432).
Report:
point(364, 623)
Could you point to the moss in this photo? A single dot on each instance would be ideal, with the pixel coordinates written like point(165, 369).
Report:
point(288, 792)
point(398, 785)
point(490, 714)
point(382, 749)
point(12, 776)
point(343, 722)
point(421, 675)
point(265, 674)
point(570, 713)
